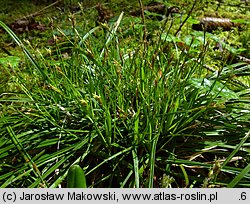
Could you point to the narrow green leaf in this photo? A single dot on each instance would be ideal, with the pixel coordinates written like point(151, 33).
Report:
point(136, 169)
point(241, 175)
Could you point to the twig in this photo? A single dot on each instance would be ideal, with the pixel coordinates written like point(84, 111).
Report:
point(189, 14)
point(6, 51)
point(244, 59)
point(39, 12)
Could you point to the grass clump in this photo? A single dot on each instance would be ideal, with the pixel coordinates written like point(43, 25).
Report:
point(131, 111)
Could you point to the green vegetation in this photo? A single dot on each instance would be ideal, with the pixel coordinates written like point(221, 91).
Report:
point(134, 101)
point(76, 177)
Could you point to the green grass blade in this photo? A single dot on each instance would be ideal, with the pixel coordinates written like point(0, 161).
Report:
point(112, 33)
point(152, 163)
point(110, 158)
point(136, 169)
point(185, 175)
point(25, 50)
point(233, 153)
point(25, 155)
point(126, 179)
point(241, 175)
